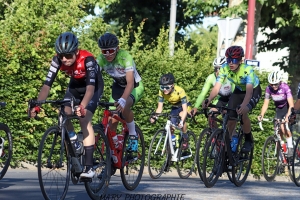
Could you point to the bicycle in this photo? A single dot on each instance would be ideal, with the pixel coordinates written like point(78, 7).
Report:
point(219, 158)
point(58, 161)
point(162, 153)
point(131, 164)
point(204, 136)
point(274, 158)
point(6, 146)
point(296, 158)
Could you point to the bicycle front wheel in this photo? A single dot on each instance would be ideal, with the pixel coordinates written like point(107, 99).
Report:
point(101, 165)
point(186, 156)
point(53, 165)
point(134, 162)
point(158, 154)
point(5, 149)
point(213, 159)
point(270, 158)
point(202, 141)
point(244, 161)
point(296, 163)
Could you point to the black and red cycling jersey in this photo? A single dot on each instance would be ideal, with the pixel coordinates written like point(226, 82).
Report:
point(85, 70)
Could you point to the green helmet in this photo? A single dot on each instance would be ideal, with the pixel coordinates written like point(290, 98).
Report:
point(66, 43)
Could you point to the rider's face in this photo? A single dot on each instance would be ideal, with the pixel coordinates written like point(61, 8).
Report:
point(68, 59)
point(234, 63)
point(110, 53)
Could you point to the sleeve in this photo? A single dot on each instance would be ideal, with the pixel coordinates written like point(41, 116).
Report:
point(268, 93)
point(91, 67)
point(160, 97)
point(250, 79)
point(127, 62)
point(204, 91)
point(288, 91)
point(52, 73)
point(182, 96)
point(222, 74)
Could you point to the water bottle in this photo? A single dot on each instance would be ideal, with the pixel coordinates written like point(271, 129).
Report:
point(74, 140)
point(283, 146)
point(234, 142)
point(173, 140)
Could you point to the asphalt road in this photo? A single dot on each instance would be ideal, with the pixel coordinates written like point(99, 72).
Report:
point(23, 184)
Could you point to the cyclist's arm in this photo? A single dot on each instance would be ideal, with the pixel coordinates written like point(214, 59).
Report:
point(214, 92)
point(248, 96)
point(204, 91)
point(297, 103)
point(159, 107)
point(130, 84)
point(44, 92)
point(264, 108)
point(291, 105)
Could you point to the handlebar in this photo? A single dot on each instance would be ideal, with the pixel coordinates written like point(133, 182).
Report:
point(106, 105)
point(268, 120)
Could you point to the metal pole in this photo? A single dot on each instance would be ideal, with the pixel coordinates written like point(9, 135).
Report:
point(172, 26)
point(227, 33)
point(250, 29)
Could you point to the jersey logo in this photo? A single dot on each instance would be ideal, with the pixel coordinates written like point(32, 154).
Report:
point(121, 70)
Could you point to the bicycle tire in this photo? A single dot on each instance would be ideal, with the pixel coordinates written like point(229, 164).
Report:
point(51, 145)
point(270, 164)
point(6, 154)
point(101, 165)
point(296, 163)
point(135, 158)
point(186, 158)
point(213, 160)
point(241, 171)
point(157, 161)
point(201, 143)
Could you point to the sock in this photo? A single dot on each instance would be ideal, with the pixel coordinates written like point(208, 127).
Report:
point(131, 128)
point(248, 137)
point(89, 150)
point(289, 142)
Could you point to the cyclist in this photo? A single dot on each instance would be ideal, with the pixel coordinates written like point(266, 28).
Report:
point(297, 103)
point(86, 84)
point(225, 91)
point(246, 94)
point(127, 88)
point(179, 100)
point(281, 94)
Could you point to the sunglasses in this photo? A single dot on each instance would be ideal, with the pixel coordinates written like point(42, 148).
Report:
point(66, 55)
point(165, 87)
point(109, 51)
point(274, 85)
point(233, 60)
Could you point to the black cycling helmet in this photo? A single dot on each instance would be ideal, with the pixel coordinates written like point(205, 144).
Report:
point(167, 79)
point(108, 40)
point(66, 43)
point(235, 52)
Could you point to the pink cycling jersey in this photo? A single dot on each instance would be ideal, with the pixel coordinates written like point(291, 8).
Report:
point(279, 96)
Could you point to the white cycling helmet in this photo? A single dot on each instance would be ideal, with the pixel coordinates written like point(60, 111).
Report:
point(219, 61)
point(275, 77)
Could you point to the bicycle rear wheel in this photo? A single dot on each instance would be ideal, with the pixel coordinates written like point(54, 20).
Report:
point(54, 176)
point(213, 159)
point(186, 157)
point(202, 141)
point(134, 162)
point(101, 165)
point(158, 154)
point(296, 163)
point(270, 158)
point(6, 149)
point(241, 170)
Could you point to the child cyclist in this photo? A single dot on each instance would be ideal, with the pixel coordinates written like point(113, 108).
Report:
point(281, 94)
point(179, 100)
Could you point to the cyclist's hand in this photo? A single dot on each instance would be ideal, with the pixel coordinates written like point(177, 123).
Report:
point(194, 111)
point(205, 103)
point(153, 119)
point(80, 111)
point(242, 109)
point(34, 111)
point(120, 104)
point(259, 118)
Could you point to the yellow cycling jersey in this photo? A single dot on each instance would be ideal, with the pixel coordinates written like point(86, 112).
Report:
point(177, 97)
